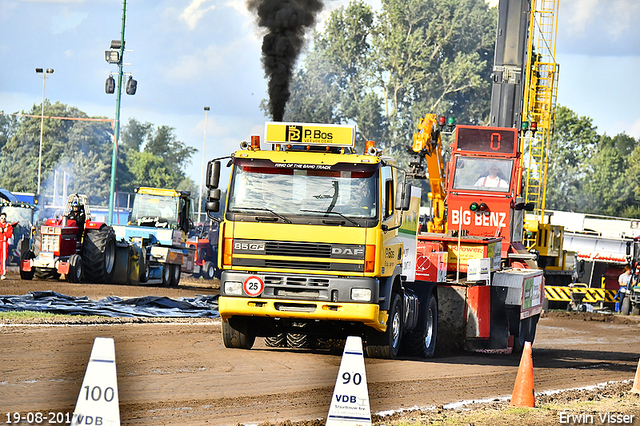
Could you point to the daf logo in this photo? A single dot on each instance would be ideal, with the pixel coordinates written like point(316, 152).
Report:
point(248, 246)
point(338, 251)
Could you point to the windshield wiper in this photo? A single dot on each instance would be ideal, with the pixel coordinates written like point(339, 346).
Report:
point(330, 212)
point(263, 209)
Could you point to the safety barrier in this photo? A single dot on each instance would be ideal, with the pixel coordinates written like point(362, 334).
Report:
point(593, 295)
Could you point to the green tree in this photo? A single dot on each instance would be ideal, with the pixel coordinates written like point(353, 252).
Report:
point(66, 146)
point(611, 184)
point(571, 148)
point(153, 157)
point(384, 71)
point(8, 125)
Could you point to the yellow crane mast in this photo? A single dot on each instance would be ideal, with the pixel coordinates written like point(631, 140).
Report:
point(538, 117)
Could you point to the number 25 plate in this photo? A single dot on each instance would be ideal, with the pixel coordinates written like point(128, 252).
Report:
point(253, 286)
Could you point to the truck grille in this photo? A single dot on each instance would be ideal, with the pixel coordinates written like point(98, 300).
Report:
point(286, 248)
point(271, 280)
point(298, 255)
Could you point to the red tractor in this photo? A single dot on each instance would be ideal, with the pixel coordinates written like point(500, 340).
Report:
point(205, 264)
point(73, 245)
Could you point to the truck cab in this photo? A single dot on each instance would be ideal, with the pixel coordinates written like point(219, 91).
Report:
point(309, 238)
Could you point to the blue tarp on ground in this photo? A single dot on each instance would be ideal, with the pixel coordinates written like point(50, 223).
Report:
point(112, 306)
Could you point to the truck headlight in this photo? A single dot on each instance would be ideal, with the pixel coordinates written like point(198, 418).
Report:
point(361, 294)
point(233, 288)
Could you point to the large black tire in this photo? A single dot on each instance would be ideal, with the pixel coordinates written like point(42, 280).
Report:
point(635, 309)
point(208, 270)
point(46, 273)
point(75, 269)
point(626, 306)
point(387, 345)
point(237, 334)
point(176, 271)
point(26, 275)
point(299, 340)
point(278, 341)
point(421, 342)
point(143, 273)
point(99, 254)
point(166, 275)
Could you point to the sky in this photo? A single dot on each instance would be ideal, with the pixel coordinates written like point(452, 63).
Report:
point(188, 54)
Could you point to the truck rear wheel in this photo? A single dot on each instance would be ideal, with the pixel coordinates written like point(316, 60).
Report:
point(166, 275)
point(99, 254)
point(208, 270)
point(176, 271)
point(237, 334)
point(421, 342)
point(277, 341)
point(387, 344)
point(626, 306)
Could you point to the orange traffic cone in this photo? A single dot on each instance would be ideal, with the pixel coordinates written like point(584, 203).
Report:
point(636, 381)
point(523, 393)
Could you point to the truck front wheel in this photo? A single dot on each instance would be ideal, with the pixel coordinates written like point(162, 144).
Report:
point(421, 342)
point(387, 344)
point(236, 333)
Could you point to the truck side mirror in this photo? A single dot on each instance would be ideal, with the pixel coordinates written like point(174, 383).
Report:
point(212, 206)
point(213, 174)
point(403, 196)
point(213, 199)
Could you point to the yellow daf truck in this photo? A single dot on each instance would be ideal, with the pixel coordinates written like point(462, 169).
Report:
point(318, 241)
point(309, 241)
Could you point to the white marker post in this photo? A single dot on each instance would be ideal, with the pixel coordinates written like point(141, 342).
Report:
point(98, 400)
point(350, 401)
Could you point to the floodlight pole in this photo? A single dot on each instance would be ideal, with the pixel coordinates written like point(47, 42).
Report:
point(204, 144)
point(116, 131)
point(44, 77)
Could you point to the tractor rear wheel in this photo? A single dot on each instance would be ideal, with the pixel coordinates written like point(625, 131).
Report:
point(99, 254)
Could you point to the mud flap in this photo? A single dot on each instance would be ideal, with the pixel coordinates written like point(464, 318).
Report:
point(451, 318)
point(498, 337)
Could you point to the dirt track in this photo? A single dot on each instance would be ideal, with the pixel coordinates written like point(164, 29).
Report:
point(180, 373)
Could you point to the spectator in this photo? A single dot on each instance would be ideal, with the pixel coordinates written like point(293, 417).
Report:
point(623, 281)
point(6, 232)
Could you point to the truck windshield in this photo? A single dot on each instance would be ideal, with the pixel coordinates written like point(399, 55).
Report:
point(155, 210)
point(482, 174)
point(344, 192)
point(18, 214)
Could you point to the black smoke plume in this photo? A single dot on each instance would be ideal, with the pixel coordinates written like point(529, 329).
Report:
point(286, 21)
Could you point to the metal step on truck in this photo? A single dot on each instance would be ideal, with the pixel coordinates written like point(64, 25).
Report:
point(319, 242)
